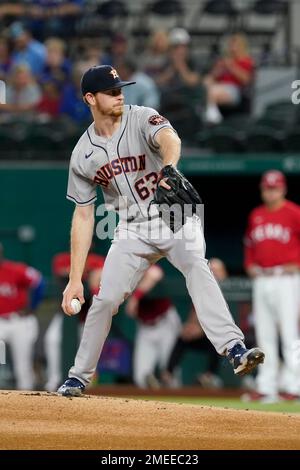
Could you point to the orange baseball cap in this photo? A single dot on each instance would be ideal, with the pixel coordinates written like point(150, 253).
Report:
point(273, 179)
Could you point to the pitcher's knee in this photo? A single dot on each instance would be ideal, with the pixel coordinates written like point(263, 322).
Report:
point(109, 302)
point(194, 265)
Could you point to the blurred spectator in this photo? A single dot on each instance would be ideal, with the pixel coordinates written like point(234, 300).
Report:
point(5, 60)
point(193, 337)
point(89, 54)
point(145, 92)
point(218, 269)
point(272, 255)
point(26, 49)
point(229, 78)
point(246, 323)
point(180, 70)
point(52, 17)
point(158, 326)
point(118, 52)
point(48, 107)
point(72, 105)
point(53, 335)
point(154, 60)
point(21, 290)
point(179, 85)
point(11, 10)
point(57, 67)
point(23, 93)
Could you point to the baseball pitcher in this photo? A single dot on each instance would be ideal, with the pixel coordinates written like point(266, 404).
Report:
point(131, 152)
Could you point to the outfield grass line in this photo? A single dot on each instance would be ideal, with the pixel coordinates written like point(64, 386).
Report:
point(234, 403)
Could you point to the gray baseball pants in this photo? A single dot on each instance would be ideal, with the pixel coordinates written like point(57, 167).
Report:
point(135, 247)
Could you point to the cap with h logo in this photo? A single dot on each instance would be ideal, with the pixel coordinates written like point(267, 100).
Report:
point(101, 78)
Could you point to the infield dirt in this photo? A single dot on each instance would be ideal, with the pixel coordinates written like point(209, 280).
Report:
point(40, 420)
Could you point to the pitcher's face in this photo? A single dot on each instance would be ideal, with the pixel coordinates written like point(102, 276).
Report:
point(110, 102)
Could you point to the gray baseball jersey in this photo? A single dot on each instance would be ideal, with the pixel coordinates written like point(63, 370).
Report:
point(125, 166)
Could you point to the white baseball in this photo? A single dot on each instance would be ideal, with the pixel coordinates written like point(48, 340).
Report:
point(76, 306)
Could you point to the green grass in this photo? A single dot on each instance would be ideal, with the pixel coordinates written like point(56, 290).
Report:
point(236, 403)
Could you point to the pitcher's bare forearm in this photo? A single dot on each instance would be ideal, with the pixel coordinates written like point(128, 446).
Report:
point(169, 146)
point(81, 239)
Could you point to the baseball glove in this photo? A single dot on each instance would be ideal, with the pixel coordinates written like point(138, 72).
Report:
point(177, 203)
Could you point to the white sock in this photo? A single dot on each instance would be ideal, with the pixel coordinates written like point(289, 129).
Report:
point(213, 114)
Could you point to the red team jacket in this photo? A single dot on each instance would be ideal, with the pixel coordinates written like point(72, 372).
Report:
point(62, 261)
point(244, 63)
point(273, 237)
point(16, 279)
point(152, 310)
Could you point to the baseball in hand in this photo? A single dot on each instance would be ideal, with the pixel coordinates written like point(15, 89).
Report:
point(76, 306)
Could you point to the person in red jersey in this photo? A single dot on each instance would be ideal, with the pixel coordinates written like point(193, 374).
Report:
point(230, 78)
point(53, 336)
point(21, 290)
point(272, 255)
point(158, 328)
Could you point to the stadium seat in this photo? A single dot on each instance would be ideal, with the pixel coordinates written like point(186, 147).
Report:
point(182, 108)
point(222, 139)
point(219, 7)
point(161, 14)
point(279, 115)
point(280, 108)
point(13, 137)
point(185, 121)
point(271, 122)
point(9, 145)
point(211, 21)
point(166, 7)
point(239, 121)
point(42, 142)
point(112, 9)
point(270, 7)
point(265, 20)
point(262, 139)
point(104, 19)
point(69, 141)
point(291, 141)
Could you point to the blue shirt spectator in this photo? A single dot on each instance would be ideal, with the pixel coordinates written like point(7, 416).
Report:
point(57, 68)
point(26, 49)
point(73, 106)
point(5, 60)
point(144, 92)
point(52, 17)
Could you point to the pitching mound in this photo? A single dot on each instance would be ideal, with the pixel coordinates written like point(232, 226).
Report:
point(37, 420)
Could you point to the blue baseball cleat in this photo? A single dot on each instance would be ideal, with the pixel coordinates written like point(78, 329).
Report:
point(244, 360)
point(71, 388)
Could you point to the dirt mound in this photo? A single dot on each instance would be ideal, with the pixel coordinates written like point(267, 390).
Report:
point(38, 420)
